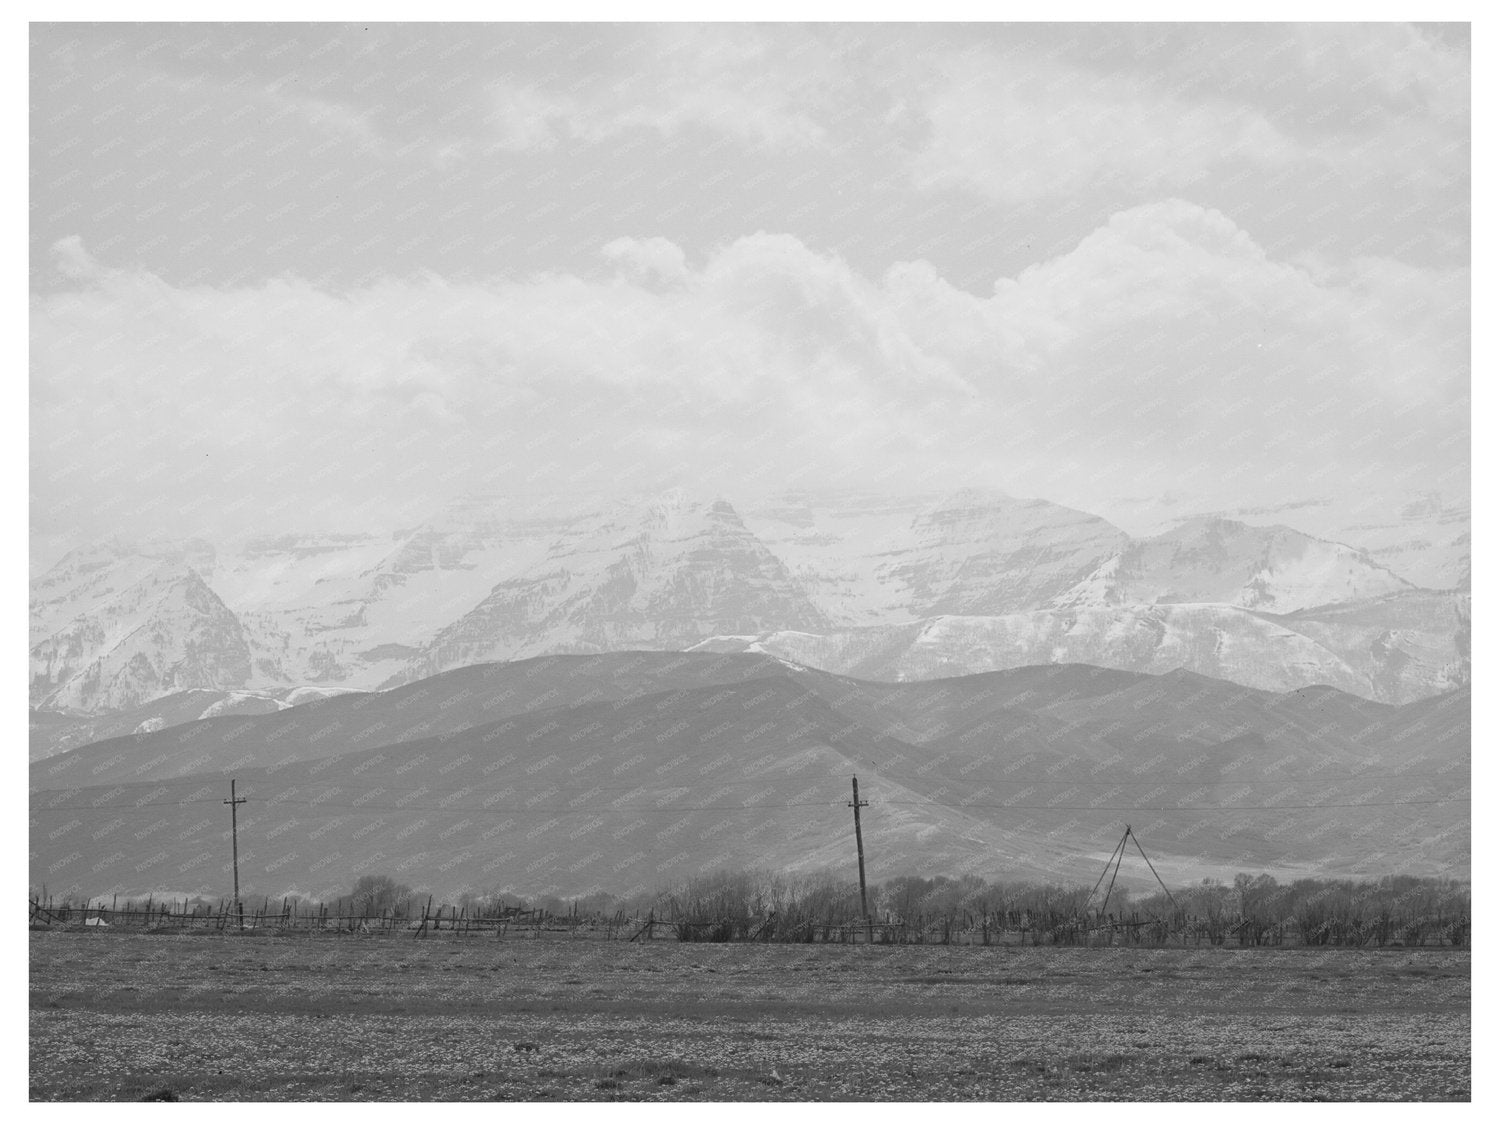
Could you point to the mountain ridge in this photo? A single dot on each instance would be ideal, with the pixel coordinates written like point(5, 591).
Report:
point(482, 582)
point(713, 762)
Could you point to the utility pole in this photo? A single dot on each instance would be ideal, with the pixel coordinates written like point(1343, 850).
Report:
point(234, 835)
point(859, 845)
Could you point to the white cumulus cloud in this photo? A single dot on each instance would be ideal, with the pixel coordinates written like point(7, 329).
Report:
point(1165, 346)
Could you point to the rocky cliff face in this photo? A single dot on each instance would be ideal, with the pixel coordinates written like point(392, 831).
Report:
point(663, 575)
point(352, 611)
point(1215, 561)
point(1426, 541)
point(980, 555)
point(1423, 539)
point(1397, 650)
point(162, 632)
point(871, 560)
point(87, 579)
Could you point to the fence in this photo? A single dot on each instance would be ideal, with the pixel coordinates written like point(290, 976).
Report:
point(290, 918)
point(998, 928)
point(1092, 932)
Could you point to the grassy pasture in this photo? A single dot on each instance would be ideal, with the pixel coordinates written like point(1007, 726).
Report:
point(212, 1017)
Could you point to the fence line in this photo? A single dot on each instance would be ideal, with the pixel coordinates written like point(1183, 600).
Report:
point(999, 927)
point(289, 916)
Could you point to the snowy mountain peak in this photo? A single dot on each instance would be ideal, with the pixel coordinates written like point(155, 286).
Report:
point(673, 510)
point(668, 503)
point(665, 574)
point(1213, 560)
point(500, 578)
point(974, 497)
point(146, 633)
point(991, 553)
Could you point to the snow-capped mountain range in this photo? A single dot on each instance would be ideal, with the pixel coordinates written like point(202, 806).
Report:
point(876, 586)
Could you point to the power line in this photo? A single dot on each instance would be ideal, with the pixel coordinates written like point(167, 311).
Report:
point(1096, 782)
point(664, 809)
point(673, 809)
point(1183, 807)
point(1089, 782)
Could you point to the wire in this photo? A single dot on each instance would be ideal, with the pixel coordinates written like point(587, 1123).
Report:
point(1095, 782)
point(274, 803)
point(669, 809)
point(673, 809)
point(879, 775)
point(1182, 807)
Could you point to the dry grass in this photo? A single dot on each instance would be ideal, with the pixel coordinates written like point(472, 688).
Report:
point(126, 1017)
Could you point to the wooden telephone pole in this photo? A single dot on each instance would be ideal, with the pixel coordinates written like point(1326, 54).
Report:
point(859, 846)
point(234, 835)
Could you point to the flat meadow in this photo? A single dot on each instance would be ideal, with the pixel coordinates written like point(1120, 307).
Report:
point(118, 1016)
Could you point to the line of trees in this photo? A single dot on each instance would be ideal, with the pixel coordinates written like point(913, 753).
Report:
point(774, 905)
point(1253, 910)
point(1256, 910)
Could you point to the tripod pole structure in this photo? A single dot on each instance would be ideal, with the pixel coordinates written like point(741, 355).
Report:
point(1159, 882)
point(1111, 889)
point(1117, 852)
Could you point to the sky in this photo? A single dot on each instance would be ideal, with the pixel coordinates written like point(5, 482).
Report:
point(289, 277)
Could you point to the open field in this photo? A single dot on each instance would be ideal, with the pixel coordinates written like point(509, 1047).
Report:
point(217, 1017)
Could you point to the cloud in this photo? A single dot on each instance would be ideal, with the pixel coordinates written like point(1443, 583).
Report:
point(523, 117)
point(270, 106)
point(1165, 347)
point(1020, 114)
point(1160, 109)
point(737, 81)
point(648, 258)
point(334, 119)
point(74, 262)
point(1023, 130)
